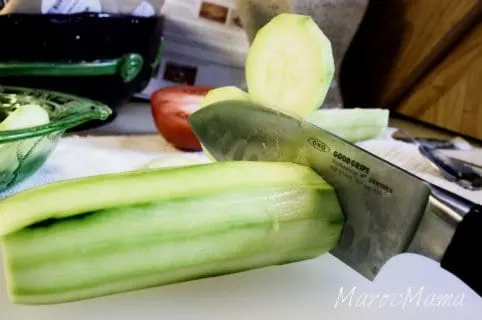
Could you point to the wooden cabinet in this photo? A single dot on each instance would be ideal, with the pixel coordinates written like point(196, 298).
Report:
point(422, 59)
point(450, 94)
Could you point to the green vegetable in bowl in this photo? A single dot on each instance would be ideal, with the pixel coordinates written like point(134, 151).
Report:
point(25, 116)
point(32, 121)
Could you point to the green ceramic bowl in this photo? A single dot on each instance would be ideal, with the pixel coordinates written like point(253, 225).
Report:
point(23, 152)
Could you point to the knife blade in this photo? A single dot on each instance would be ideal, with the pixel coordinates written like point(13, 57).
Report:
point(388, 211)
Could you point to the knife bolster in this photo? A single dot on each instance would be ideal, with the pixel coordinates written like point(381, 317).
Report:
point(450, 232)
point(435, 231)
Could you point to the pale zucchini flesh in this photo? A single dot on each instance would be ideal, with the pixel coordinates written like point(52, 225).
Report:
point(290, 65)
point(271, 214)
point(222, 94)
point(352, 124)
point(25, 116)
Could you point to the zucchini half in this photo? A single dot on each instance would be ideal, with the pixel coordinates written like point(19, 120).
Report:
point(108, 234)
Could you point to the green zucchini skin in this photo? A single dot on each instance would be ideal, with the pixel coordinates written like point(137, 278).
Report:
point(255, 221)
point(72, 197)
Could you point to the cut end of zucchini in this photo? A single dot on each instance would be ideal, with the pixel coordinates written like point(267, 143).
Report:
point(290, 65)
point(352, 124)
point(126, 232)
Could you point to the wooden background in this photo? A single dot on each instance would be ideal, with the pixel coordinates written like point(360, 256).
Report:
point(420, 58)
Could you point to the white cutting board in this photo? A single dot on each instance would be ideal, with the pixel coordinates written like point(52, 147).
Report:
point(305, 290)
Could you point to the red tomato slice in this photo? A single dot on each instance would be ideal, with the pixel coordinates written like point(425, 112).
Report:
point(170, 107)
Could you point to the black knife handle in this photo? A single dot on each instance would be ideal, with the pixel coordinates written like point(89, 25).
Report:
point(462, 255)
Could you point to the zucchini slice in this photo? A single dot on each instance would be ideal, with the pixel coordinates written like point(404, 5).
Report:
point(26, 116)
point(224, 93)
point(290, 65)
point(352, 124)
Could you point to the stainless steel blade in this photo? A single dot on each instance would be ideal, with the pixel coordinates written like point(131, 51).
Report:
point(383, 204)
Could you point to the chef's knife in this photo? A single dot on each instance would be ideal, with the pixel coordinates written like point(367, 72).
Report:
point(388, 211)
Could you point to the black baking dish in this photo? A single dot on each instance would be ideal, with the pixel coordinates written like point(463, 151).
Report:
point(105, 57)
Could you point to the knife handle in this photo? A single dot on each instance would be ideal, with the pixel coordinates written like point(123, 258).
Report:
point(462, 255)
